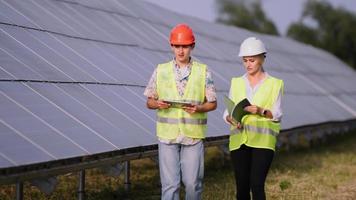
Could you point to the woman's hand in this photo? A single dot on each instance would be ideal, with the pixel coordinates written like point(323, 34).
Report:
point(253, 109)
point(233, 122)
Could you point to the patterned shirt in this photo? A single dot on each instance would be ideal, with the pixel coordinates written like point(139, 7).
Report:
point(182, 76)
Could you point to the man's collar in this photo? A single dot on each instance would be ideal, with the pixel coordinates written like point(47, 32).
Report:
point(189, 64)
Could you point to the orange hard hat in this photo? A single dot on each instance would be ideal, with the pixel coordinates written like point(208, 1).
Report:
point(182, 34)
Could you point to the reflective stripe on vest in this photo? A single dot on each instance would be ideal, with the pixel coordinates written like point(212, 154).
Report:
point(256, 131)
point(174, 121)
point(181, 120)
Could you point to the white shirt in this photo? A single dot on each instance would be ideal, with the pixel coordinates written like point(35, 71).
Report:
point(251, 91)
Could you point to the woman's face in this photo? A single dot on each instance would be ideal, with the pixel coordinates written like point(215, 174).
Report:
point(253, 64)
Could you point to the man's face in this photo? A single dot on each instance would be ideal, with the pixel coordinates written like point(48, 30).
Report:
point(182, 52)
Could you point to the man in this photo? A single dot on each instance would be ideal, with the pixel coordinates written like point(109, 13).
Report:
point(181, 127)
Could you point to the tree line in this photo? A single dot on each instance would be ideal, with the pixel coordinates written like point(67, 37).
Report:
point(335, 29)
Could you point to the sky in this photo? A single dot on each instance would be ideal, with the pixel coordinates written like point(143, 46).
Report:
point(281, 12)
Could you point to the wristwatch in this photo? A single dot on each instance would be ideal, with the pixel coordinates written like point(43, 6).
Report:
point(264, 112)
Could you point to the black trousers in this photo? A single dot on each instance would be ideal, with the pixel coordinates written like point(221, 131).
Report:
point(251, 166)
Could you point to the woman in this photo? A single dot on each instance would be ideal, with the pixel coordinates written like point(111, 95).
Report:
point(252, 142)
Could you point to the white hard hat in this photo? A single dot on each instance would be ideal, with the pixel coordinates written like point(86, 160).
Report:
point(251, 47)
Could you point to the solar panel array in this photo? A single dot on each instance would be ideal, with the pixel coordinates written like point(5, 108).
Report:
point(72, 75)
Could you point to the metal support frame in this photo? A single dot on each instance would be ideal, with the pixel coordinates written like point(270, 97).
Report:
point(19, 191)
point(127, 182)
point(81, 185)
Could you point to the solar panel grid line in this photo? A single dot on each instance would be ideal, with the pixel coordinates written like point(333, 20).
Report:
point(58, 59)
point(97, 29)
point(323, 92)
point(117, 59)
point(23, 55)
point(4, 75)
point(64, 58)
point(133, 31)
point(77, 53)
point(134, 93)
point(44, 122)
point(135, 107)
point(43, 79)
point(69, 17)
point(138, 57)
point(110, 55)
point(159, 33)
point(88, 108)
point(17, 12)
point(122, 123)
point(54, 16)
point(74, 118)
point(120, 62)
point(35, 53)
point(209, 48)
point(217, 52)
point(38, 25)
point(215, 72)
point(91, 7)
point(107, 29)
point(87, 116)
point(3, 68)
point(24, 8)
point(69, 36)
point(80, 60)
point(332, 97)
point(127, 9)
point(123, 114)
point(79, 24)
point(111, 7)
point(22, 135)
point(84, 58)
point(8, 159)
point(77, 121)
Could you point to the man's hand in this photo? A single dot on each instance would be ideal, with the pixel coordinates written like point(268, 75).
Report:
point(162, 104)
point(156, 104)
point(191, 108)
point(205, 107)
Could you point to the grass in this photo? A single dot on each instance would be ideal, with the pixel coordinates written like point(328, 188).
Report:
point(326, 171)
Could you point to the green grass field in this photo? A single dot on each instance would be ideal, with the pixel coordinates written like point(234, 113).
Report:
point(326, 171)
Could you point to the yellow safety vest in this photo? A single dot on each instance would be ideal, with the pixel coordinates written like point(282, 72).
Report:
point(172, 121)
point(257, 131)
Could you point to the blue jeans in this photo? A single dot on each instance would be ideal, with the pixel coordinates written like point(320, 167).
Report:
point(184, 162)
